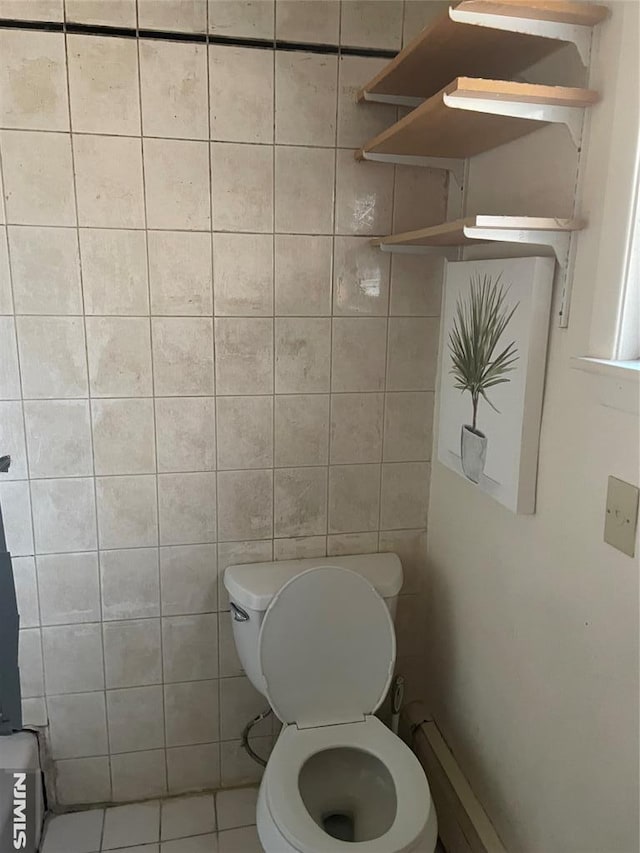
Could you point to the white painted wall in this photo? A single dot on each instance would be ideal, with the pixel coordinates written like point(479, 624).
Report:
point(533, 621)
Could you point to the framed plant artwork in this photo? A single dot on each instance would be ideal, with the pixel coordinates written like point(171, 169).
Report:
point(494, 347)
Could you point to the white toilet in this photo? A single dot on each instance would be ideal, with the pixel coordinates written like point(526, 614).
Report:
point(316, 637)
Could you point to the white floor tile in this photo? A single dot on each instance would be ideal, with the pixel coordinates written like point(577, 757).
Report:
point(187, 816)
point(196, 844)
point(244, 840)
point(236, 807)
point(130, 825)
point(139, 848)
point(74, 833)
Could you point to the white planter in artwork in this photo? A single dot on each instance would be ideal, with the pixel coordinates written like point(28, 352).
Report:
point(473, 452)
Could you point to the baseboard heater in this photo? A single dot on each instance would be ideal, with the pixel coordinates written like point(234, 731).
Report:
point(463, 825)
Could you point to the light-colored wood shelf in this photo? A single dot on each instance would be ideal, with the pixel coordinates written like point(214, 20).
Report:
point(482, 46)
point(473, 229)
point(470, 116)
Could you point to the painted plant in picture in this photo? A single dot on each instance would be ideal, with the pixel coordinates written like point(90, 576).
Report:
point(479, 362)
point(495, 328)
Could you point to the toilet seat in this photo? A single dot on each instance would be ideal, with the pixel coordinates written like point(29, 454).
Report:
point(284, 801)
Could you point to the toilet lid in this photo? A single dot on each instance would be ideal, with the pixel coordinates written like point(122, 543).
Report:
point(327, 648)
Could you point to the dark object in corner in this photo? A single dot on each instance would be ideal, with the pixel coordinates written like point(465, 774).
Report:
point(10, 700)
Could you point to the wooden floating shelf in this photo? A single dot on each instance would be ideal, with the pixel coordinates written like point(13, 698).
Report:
point(482, 38)
point(534, 230)
point(470, 116)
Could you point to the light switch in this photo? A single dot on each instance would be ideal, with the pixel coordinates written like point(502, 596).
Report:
point(621, 519)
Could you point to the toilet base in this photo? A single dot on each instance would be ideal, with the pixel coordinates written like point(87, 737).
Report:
point(273, 841)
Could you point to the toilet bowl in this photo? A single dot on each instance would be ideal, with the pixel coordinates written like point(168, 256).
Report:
point(336, 776)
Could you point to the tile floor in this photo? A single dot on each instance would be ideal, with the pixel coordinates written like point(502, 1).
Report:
point(201, 823)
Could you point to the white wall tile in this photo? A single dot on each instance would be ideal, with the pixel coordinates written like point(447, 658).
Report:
point(303, 274)
point(228, 660)
point(132, 653)
point(9, 373)
point(357, 123)
point(360, 277)
point(128, 423)
point(182, 356)
point(190, 647)
point(243, 266)
point(12, 439)
point(312, 21)
point(358, 357)
point(180, 272)
point(303, 356)
point(83, 780)
point(244, 355)
point(405, 495)
point(119, 350)
point(302, 174)
point(354, 492)
point(191, 711)
point(130, 581)
point(6, 296)
point(127, 511)
point(30, 663)
point(103, 84)
point(114, 271)
point(136, 719)
point(64, 515)
point(372, 23)
point(176, 176)
point(299, 548)
point(77, 725)
point(364, 196)
point(306, 93)
point(16, 511)
point(408, 426)
point(193, 768)
point(356, 428)
point(188, 579)
point(115, 13)
point(352, 543)
point(38, 182)
point(189, 16)
point(420, 198)
point(242, 187)
point(33, 86)
point(65, 670)
point(24, 577)
point(173, 79)
point(238, 768)
point(187, 506)
point(109, 181)
point(58, 438)
point(53, 361)
point(245, 432)
point(300, 496)
point(32, 10)
point(69, 588)
point(46, 270)
point(246, 18)
point(301, 429)
point(239, 702)
point(136, 775)
point(416, 285)
point(413, 353)
point(241, 94)
point(186, 430)
point(245, 504)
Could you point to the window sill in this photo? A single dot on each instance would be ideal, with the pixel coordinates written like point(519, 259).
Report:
point(617, 382)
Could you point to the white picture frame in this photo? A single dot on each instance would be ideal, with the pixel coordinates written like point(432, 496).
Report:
point(507, 467)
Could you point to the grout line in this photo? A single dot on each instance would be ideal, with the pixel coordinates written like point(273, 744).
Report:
point(138, 33)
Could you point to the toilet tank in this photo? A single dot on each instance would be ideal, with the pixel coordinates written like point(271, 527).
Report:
point(252, 586)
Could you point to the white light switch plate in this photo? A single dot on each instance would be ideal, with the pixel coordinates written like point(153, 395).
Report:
point(621, 519)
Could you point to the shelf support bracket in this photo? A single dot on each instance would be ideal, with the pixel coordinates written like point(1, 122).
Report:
point(577, 34)
point(451, 164)
point(396, 100)
point(572, 117)
point(559, 241)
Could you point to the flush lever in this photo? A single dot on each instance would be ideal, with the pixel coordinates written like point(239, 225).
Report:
point(239, 615)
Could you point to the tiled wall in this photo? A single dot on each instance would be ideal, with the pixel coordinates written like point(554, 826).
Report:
point(202, 361)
